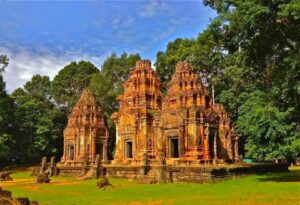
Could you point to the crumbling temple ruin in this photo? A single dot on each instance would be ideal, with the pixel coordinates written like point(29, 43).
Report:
point(182, 136)
point(86, 134)
point(185, 125)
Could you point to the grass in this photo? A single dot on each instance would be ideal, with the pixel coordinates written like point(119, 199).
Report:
point(270, 189)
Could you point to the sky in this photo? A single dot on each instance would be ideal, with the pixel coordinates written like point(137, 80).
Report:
point(41, 37)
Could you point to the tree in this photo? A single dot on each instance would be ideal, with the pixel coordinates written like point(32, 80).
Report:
point(261, 39)
point(179, 50)
point(39, 121)
point(7, 140)
point(3, 63)
point(251, 46)
point(108, 84)
point(270, 133)
point(69, 83)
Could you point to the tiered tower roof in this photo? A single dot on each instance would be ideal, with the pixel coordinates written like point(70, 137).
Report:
point(185, 88)
point(142, 89)
point(86, 112)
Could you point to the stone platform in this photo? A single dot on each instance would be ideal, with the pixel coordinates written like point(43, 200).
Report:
point(192, 173)
point(156, 172)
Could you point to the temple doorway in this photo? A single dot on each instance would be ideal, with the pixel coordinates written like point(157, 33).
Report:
point(211, 145)
point(174, 147)
point(71, 152)
point(128, 149)
point(99, 150)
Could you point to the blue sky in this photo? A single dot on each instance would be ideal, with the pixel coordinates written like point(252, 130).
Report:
point(40, 37)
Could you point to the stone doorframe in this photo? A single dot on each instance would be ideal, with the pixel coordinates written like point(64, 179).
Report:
point(128, 149)
point(171, 140)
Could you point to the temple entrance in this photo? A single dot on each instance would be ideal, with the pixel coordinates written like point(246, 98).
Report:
point(174, 147)
point(213, 143)
point(71, 152)
point(128, 149)
point(99, 150)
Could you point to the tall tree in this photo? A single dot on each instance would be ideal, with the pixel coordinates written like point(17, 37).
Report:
point(108, 84)
point(40, 122)
point(69, 83)
point(251, 46)
point(270, 132)
point(7, 128)
point(263, 45)
point(179, 50)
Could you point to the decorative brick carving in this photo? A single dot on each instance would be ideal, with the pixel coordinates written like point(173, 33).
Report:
point(86, 134)
point(142, 97)
point(184, 126)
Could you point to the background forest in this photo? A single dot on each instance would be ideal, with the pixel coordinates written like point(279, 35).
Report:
point(250, 54)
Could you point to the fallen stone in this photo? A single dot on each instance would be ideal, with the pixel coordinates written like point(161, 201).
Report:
point(103, 182)
point(43, 178)
point(5, 176)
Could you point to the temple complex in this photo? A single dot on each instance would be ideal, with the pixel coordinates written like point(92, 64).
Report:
point(185, 125)
point(86, 134)
point(177, 137)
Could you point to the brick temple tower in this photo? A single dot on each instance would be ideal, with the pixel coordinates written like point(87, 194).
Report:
point(86, 134)
point(187, 121)
point(141, 98)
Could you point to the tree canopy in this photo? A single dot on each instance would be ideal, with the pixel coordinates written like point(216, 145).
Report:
point(250, 54)
point(108, 83)
point(70, 81)
point(7, 138)
point(40, 123)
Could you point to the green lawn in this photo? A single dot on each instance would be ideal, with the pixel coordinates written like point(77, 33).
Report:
point(265, 189)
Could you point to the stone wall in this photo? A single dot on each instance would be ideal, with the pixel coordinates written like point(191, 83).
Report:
point(195, 174)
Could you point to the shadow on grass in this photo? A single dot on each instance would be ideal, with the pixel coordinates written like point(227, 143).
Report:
point(292, 176)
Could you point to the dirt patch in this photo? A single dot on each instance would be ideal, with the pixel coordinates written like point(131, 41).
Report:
point(155, 202)
point(17, 182)
point(61, 183)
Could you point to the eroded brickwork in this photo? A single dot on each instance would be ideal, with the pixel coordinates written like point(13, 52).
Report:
point(86, 134)
point(184, 126)
point(141, 98)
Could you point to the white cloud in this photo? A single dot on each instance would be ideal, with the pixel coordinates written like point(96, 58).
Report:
point(152, 8)
point(122, 22)
point(23, 64)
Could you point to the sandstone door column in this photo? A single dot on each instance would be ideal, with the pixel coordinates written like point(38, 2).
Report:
point(206, 148)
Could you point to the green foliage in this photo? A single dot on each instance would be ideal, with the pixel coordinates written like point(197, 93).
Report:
point(178, 50)
point(39, 121)
point(69, 83)
point(250, 53)
point(261, 88)
point(108, 84)
point(3, 62)
point(251, 47)
point(7, 127)
point(270, 132)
